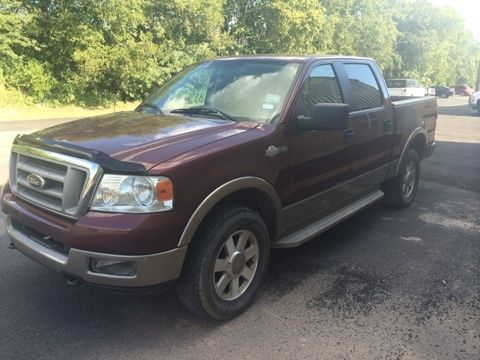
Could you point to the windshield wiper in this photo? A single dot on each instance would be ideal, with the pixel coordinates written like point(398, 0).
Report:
point(207, 110)
point(151, 106)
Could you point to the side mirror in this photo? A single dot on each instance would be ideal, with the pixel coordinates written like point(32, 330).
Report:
point(325, 117)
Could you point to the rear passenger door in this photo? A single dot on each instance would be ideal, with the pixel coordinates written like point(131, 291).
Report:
point(371, 121)
point(319, 161)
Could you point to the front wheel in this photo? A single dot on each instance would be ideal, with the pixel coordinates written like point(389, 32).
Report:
point(400, 191)
point(226, 264)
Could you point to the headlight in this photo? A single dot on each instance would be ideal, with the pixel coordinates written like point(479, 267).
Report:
point(133, 194)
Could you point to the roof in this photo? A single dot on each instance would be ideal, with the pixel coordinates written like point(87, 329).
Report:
point(294, 58)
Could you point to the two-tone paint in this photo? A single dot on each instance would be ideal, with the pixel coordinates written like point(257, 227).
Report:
point(293, 179)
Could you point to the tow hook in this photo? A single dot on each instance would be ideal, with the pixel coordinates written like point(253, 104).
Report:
point(11, 246)
point(73, 280)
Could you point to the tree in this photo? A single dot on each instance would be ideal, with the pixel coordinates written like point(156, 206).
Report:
point(95, 52)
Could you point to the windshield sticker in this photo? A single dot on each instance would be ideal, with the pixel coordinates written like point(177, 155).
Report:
point(272, 99)
point(268, 106)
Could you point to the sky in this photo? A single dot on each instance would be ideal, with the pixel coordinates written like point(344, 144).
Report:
point(469, 9)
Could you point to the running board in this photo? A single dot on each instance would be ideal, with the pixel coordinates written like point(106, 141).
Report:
point(307, 233)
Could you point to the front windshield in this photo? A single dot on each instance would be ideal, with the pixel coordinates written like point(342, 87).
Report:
point(252, 90)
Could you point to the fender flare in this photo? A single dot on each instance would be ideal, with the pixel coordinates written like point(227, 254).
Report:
point(417, 131)
point(220, 193)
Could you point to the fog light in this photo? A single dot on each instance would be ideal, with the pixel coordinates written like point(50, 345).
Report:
point(113, 267)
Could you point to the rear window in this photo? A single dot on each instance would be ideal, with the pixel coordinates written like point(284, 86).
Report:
point(413, 84)
point(392, 84)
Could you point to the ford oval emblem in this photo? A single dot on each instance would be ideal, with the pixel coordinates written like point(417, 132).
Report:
point(36, 181)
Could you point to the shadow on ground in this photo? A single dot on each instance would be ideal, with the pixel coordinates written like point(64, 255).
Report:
point(457, 110)
point(463, 170)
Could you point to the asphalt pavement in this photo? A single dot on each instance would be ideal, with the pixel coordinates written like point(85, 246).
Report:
point(385, 284)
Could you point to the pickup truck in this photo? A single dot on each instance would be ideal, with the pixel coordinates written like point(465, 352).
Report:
point(227, 160)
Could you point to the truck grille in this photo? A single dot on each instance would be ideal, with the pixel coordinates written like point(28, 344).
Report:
point(56, 182)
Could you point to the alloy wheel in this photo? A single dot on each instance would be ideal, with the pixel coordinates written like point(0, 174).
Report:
point(409, 179)
point(235, 265)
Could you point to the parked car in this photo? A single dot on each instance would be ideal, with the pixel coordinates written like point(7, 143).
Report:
point(230, 158)
point(474, 102)
point(463, 90)
point(406, 87)
point(444, 91)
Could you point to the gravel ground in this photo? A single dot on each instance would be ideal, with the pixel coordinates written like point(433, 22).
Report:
point(385, 284)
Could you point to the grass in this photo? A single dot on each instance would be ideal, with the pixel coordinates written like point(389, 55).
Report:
point(15, 106)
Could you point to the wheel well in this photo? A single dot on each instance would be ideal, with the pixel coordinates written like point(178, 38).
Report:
point(254, 199)
point(418, 144)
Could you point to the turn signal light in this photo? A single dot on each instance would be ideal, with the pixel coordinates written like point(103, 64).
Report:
point(164, 189)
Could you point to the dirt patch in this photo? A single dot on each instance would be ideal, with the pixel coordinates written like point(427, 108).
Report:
point(353, 291)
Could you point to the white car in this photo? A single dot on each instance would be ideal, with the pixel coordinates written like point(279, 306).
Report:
point(406, 87)
point(474, 102)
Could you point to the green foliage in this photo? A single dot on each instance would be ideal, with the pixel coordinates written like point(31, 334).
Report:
point(97, 52)
point(434, 46)
point(31, 78)
point(13, 98)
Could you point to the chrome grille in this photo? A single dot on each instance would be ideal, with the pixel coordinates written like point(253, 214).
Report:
point(57, 182)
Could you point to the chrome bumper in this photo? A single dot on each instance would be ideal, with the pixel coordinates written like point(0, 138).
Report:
point(152, 269)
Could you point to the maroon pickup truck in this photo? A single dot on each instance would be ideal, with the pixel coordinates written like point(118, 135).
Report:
point(230, 158)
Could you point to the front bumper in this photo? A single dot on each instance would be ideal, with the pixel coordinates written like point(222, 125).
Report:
point(147, 242)
point(150, 270)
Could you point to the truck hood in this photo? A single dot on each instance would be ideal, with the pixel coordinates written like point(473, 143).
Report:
point(135, 137)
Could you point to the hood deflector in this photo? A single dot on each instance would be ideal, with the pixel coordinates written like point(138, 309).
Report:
point(107, 163)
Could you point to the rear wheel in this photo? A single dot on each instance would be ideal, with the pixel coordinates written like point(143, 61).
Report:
point(400, 191)
point(226, 264)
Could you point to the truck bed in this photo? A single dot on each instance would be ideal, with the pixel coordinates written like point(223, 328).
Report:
point(412, 112)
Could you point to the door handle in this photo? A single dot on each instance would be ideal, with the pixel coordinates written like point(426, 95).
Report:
point(387, 124)
point(348, 135)
point(272, 151)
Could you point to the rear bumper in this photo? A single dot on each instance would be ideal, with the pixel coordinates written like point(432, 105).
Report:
point(150, 270)
point(429, 149)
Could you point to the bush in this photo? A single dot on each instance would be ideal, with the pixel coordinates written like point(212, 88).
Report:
point(31, 78)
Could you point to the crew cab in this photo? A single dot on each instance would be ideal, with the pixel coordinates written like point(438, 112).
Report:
point(229, 159)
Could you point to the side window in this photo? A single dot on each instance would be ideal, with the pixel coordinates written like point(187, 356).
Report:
point(320, 87)
point(365, 90)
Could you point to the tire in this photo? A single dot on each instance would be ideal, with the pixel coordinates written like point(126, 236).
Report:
point(400, 191)
point(200, 286)
point(478, 107)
